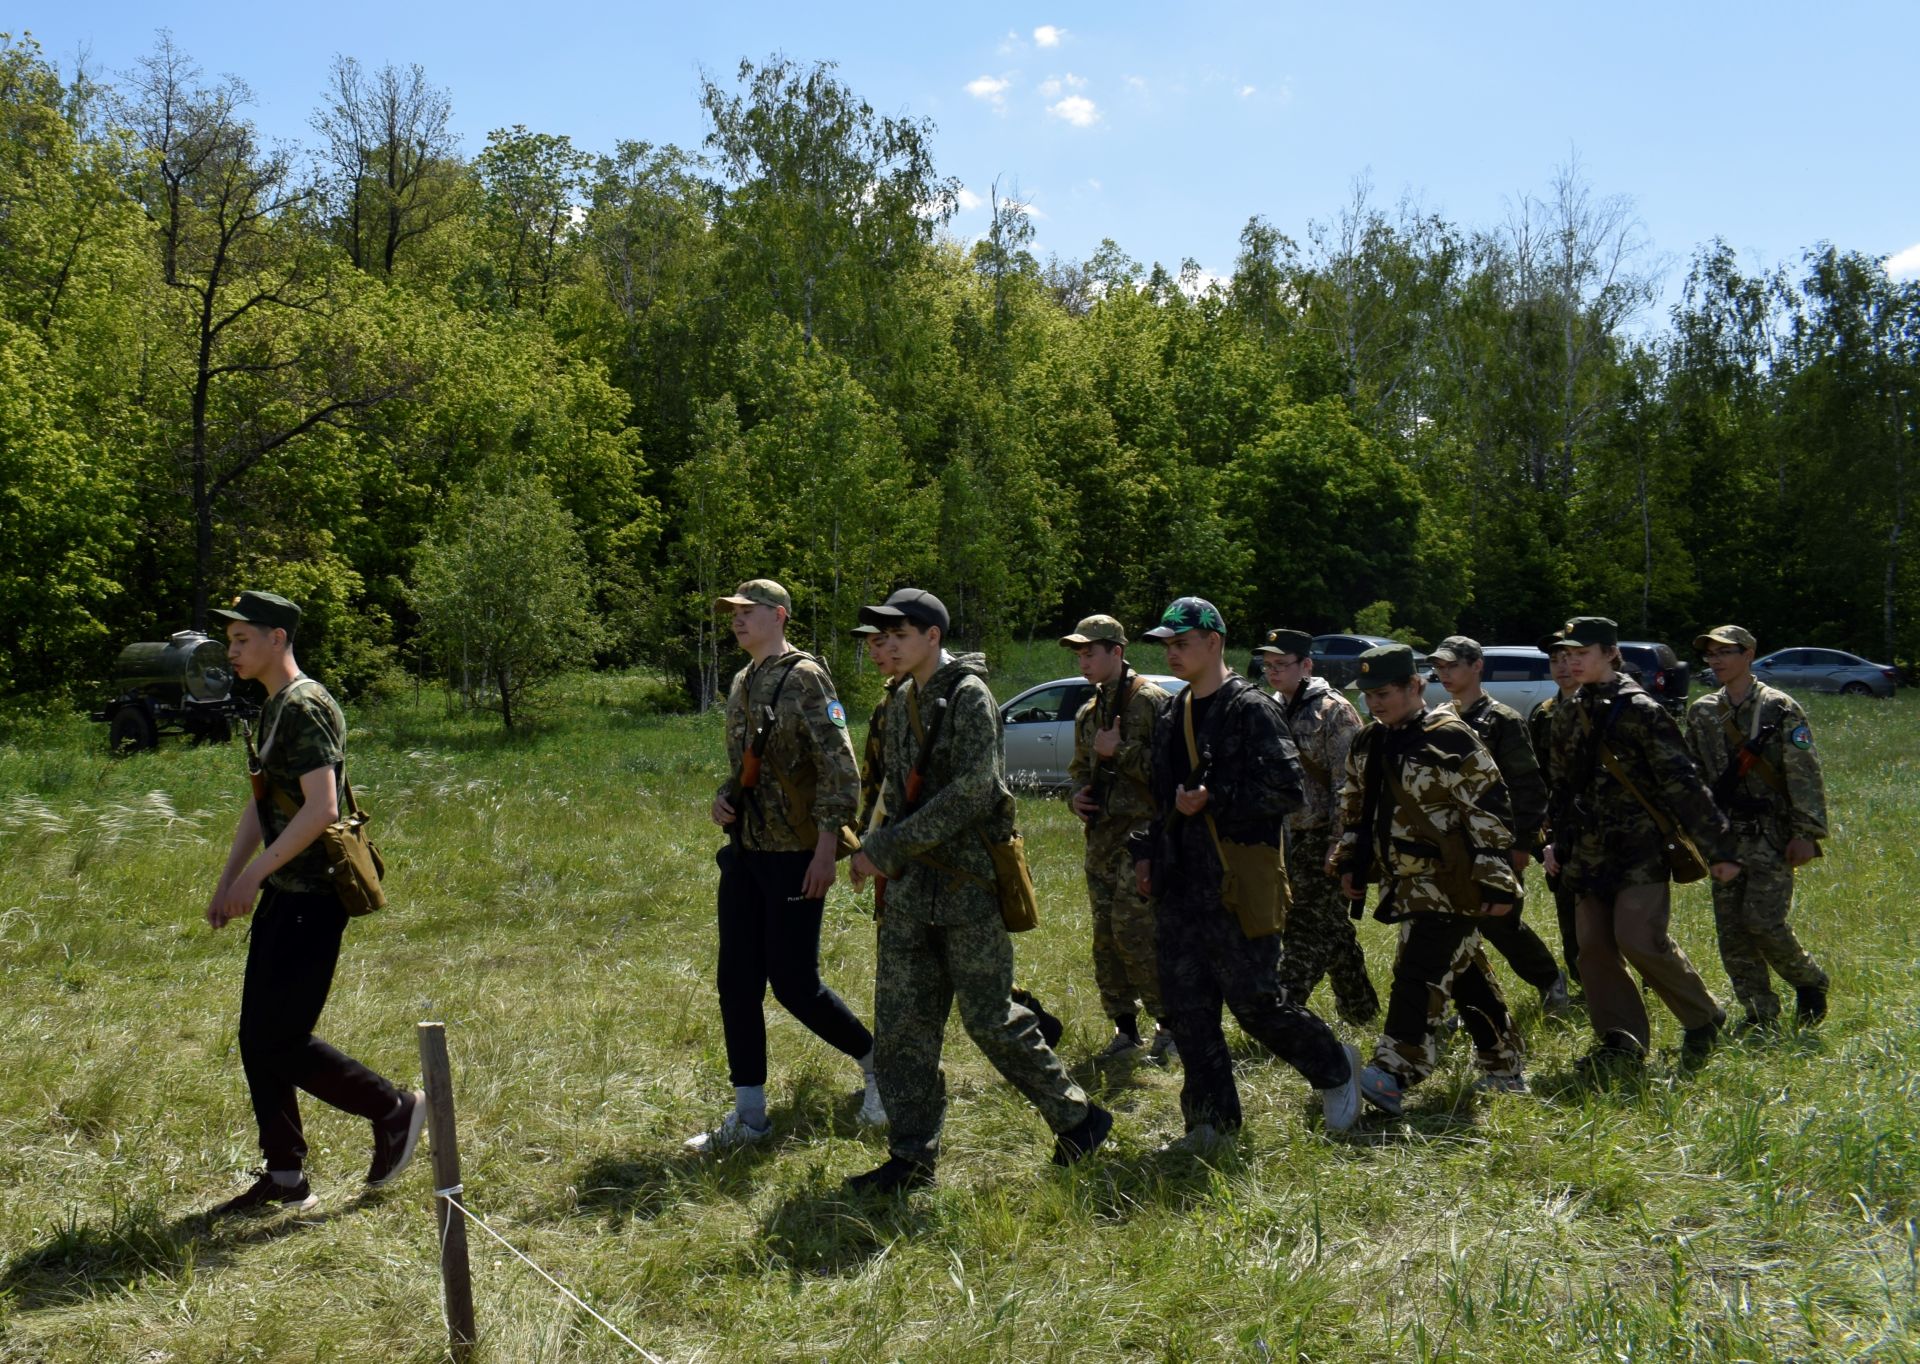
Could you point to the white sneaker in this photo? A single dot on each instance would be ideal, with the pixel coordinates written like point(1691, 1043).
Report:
point(1123, 1047)
point(1340, 1104)
point(1203, 1140)
point(1164, 1051)
point(873, 1113)
point(732, 1133)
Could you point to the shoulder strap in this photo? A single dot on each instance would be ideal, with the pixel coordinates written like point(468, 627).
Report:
point(1760, 766)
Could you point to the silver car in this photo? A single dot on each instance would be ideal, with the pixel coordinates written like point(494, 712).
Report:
point(1037, 728)
point(1827, 670)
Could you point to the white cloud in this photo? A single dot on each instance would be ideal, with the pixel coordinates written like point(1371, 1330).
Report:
point(969, 201)
point(1078, 110)
point(1048, 35)
point(1905, 264)
point(1246, 91)
point(992, 89)
point(1094, 185)
point(1054, 85)
point(1137, 84)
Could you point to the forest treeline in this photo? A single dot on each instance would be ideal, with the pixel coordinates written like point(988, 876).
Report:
point(420, 387)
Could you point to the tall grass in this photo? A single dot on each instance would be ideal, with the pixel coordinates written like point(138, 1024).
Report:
point(553, 903)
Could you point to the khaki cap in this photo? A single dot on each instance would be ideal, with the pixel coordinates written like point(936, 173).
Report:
point(1724, 634)
point(1457, 649)
point(1096, 629)
point(757, 592)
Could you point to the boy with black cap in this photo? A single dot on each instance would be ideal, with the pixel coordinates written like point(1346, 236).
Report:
point(1460, 663)
point(1224, 776)
point(1111, 736)
point(793, 790)
point(1623, 785)
point(1319, 936)
point(1753, 743)
point(942, 940)
point(1426, 814)
point(298, 926)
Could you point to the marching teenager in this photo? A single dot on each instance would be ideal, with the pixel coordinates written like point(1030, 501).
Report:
point(1224, 777)
point(298, 923)
point(943, 939)
point(793, 790)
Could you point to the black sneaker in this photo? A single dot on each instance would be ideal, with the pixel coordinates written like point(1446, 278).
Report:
point(1616, 1053)
point(1697, 1044)
point(1079, 1141)
point(266, 1194)
point(1051, 1028)
point(1811, 1003)
point(1754, 1028)
point(395, 1137)
point(896, 1174)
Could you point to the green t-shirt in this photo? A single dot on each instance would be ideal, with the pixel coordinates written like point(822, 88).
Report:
point(302, 730)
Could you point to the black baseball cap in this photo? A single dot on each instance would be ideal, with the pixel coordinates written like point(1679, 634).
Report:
point(269, 609)
point(910, 604)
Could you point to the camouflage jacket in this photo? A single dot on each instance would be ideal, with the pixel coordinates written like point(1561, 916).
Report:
point(873, 760)
point(1762, 813)
point(1440, 764)
point(1322, 723)
point(808, 779)
point(1505, 735)
point(302, 729)
point(1603, 836)
point(935, 857)
point(1254, 782)
point(1128, 802)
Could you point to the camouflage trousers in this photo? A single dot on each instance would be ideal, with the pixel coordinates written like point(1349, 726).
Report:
point(922, 971)
point(1205, 961)
point(1525, 951)
point(1319, 936)
point(1563, 901)
point(1750, 919)
point(1439, 959)
point(1124, 966)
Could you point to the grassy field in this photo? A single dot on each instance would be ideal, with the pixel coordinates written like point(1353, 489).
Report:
point(552, 903)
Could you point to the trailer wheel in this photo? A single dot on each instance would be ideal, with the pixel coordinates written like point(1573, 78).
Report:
point(131, 730)
point(217, 730)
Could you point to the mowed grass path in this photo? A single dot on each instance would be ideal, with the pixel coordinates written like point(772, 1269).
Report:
point(552, 902)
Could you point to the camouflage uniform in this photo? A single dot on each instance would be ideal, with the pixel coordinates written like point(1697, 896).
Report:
point(1539, 734)
point(1505, 735)
point(1123, 960)
point(1320, 939)
point(1750, 912)
point(1205, 957)
point(941, 939)
point(1444, 768)
point(1612, 854)
point(873, 760)
point(769, 932)
point(302, 729)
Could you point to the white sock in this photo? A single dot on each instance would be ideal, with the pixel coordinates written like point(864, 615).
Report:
point(866, 1064)
point(750, 1102)
point(286, 1179)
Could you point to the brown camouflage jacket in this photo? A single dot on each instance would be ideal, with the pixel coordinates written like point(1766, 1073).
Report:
point(1505, 734)
point(808, 779)
point(1323, 723)
point(1128, 802)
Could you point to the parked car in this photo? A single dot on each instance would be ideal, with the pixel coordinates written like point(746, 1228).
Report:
point(1037, 728)
point(1516, 675)
point(1337, 657)
point(1827, 670)
point(1660, 670)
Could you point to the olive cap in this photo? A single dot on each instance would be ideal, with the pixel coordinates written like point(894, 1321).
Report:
point(1546, 644)
point(1284, 641)
point(1385, 665)
point(863, 629)
point(1457, 649)
point(1188, 613)
point(1583, 631)
point(1102, 629)
point(910, 604)
point(1724, 634)
point(263, 608)
point(757, 592)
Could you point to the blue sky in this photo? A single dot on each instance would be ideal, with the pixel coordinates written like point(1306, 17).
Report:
point(1775, 126)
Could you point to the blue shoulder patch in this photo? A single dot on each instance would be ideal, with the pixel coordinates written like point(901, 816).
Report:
point(837, 713)
point(1802, 737)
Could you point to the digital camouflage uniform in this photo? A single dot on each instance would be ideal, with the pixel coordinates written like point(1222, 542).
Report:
point(1781, 797)
point(1540, 735)
point(873, 760)
point(1206, 959)
point(1320, 938)
point(941, 938)
point(1443, 768)
point(1504, 734)
point(1123, 961)
point(808, 778)
point(1613, 857)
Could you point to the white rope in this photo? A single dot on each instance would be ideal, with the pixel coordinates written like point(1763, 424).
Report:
point(452, 1200)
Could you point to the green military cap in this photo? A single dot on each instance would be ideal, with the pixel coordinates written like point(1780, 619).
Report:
point(1724, 634)
point(1583, 631)
point(263, 608)
point(1385, 665)
point(1457, 649)
point(1284, 641)
point(1546, 644)
point(757, 592)
point(1104, 629)
point(1188, 613)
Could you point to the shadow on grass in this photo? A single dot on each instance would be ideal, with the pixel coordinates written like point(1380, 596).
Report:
point(827, 1233)
point(85, 1260)
point(643, 1185)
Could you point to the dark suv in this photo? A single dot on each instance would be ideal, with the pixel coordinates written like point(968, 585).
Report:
point(1660, 670)
point(1337, 657)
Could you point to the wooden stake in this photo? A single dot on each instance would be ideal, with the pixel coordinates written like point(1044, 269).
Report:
point(455, 1278)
